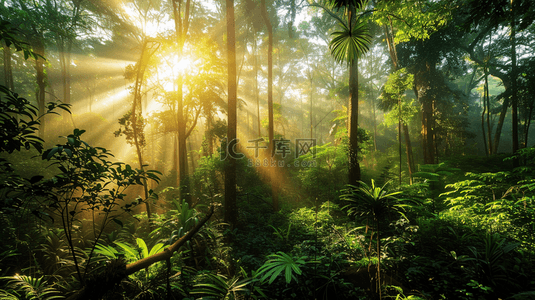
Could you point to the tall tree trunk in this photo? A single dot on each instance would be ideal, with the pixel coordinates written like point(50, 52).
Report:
point(484, 103)
point(257, 90)
point(374, 128)
point(514, 103)
point(399, 138)
point(487, 106)
point(8, 72)
point(137, 115)
point(408, 149)
point(311, 106)
point(394, 57)
point(40, 77)
point(265, 16)
point(501, 121)
point(181, 30)
point(353, 123)
point(231, 214)
point(527, 123)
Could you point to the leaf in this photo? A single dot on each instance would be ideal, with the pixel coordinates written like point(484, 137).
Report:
point(36, 179)
point(143, 246)
point(117, 221)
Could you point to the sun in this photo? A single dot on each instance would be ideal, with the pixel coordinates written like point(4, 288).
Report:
point(172, 66)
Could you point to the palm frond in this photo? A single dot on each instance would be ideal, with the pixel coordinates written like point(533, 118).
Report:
point(33, 288)
point(348, 44)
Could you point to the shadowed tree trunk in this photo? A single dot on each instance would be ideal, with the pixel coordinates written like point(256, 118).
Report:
point(353, 123)
point(39, 48)
point(8, 72)
point(514, 97)
point(181, 31)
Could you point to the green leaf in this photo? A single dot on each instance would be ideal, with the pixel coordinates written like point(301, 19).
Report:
point(117, 221)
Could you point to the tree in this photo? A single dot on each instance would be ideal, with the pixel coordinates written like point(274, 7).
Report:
point(231, 213)
point(374, 206)
point(417, 25)
point(182, 20)
point(347, 46)
point(271, 136)
point(482, 19)
point(133, 120)
point(394, 100)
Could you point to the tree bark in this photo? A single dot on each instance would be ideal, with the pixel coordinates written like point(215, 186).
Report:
point(40, 77)
point(8, 72)
point(484, 103)
point(408, 150)
point(353, 124)
point(501, 121)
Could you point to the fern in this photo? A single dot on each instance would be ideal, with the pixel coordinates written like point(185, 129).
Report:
point(32, 288)
point(281, 262)
point(218, 286)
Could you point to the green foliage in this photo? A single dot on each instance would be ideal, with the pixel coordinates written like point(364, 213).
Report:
point(19, 122)
point(373, 203)
point(324, 173)
point(489, 265)
point(350, 42)
point(90, 170)
point(128, 130)
point(414, 19)
point(30, 288)
point(279, 262)
point(437, 175)
point(218, 286)
point(9, 34)
point(129, 252)
point(208, 178)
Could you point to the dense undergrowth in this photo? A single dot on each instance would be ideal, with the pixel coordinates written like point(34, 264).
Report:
point(453, 234)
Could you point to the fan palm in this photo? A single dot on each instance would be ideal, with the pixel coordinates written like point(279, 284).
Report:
point(373, 204)
point(348, 44)
point(218, 286)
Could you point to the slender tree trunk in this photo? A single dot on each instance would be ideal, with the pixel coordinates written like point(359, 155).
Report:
point(399, 138)
point(181, 29)
point(353, 123)
point(8, 72)
point(231, 214)
point(374, 128)
point(209, 133)
point(514, 103)
point(484, 103)
point(427, 131)
point(40, 77)
point(501, 121)
point(265, 16)
point(527, 124)
point(487, 105)
point(408, 149)
point(191, 158)
point(137, 116)
point(257, 90)
point(311, 106)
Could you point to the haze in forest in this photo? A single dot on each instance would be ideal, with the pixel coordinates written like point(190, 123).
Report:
point(283, 104)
